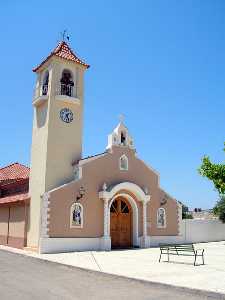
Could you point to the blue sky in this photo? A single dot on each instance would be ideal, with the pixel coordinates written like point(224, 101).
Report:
point(160, 63)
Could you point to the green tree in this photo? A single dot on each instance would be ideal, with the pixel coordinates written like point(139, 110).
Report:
point(219, 209)
point(215, 173)
point(185, 212)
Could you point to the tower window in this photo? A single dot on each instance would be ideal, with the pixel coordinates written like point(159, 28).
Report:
point(45, 83)
point(76, 215)
point(67, 83)
point(123, 163)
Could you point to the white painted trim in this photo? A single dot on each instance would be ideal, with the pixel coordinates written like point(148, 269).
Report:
point(45, 215)
point(106, 230)
point(128, 186)
point(56, 245)
point(134, 216)
point(164, 212)
point(71, 216)
point(114, 139)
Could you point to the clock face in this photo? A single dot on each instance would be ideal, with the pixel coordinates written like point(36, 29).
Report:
point(66, 115)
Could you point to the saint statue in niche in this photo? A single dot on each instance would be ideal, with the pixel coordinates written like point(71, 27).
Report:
point(77, 215)
point(161, 217)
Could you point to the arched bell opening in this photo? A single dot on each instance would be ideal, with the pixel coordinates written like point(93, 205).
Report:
point(67, 83)
point(45, 83)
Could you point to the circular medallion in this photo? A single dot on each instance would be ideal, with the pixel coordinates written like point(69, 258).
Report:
point(66, 115)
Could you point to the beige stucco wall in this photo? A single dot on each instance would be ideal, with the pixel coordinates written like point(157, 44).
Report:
point(4, 215)
point(17, 221)
point(94, 174)
point(13, 224)
point(54, 143)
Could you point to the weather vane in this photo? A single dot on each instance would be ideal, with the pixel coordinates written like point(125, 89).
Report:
point(121, 118)
point(65, 35)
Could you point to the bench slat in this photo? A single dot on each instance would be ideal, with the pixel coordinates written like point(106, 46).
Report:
point(180, 249)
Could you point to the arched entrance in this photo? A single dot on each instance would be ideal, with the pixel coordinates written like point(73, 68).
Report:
point(121, 223)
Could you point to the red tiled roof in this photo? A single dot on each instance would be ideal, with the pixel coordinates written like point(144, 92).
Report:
point(14, 171)
point(63, 51)
point(14, 198)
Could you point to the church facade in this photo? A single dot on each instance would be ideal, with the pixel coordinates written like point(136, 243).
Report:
point(109, 200)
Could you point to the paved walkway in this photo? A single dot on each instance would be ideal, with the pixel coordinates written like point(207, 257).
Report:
point(26, 278)
point(143, 264)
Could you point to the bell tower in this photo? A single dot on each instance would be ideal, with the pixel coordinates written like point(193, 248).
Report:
point(57, 127)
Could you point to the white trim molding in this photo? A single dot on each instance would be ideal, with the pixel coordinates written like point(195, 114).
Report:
point(45, 215)
point(134, 219)
point(123, 189)
point(128, 186)
point(56, 245)
point(114, 139)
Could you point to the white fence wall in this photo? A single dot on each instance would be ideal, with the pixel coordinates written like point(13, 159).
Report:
point(194, 231)
point(202, 231)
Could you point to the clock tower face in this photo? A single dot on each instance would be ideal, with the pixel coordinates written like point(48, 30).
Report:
point(66, 115)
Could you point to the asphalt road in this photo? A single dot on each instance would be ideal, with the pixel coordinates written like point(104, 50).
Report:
point(27, 278)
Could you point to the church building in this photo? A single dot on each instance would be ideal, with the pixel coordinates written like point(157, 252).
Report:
point(108, 200)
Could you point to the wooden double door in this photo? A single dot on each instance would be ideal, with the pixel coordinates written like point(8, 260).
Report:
point(120, 223)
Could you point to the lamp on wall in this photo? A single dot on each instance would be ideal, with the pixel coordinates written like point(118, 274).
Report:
point(163, 201)
point(81, 193)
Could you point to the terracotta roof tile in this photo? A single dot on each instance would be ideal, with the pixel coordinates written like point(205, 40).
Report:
point(63, 51)
point(14, 171)
point(14, 198)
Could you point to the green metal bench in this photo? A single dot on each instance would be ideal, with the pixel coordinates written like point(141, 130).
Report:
point(181, 250)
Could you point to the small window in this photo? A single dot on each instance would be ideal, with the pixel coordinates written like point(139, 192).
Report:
point(161, 218)
point(76, 215)
point(123, 163)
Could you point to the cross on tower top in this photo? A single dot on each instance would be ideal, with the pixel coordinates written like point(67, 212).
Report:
point(121, 118)
point(65, 35)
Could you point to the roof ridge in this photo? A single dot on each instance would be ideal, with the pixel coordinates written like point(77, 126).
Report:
point(12, 164)
point(67, 53)
point(9, 165)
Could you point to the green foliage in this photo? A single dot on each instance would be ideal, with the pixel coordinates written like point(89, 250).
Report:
point(187, 216)
point(185, 212)
point(219, 209)
point(214, 172)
